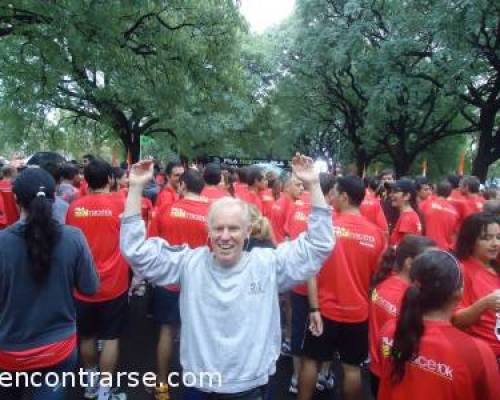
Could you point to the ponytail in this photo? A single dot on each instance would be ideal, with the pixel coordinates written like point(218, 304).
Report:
point(436, 277)
point(34, 189)
point(410, 328)
point(394, 258)
point(40, 234)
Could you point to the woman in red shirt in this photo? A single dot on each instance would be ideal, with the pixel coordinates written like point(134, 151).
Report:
point(390, 283)
point(423, 355)
point(404, 197)
point(477, 248)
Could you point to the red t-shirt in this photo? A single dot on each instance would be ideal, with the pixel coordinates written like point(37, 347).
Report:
point(296, 223)
point(3, 216)
point(184, 222)
point(479, 282)
point(441, 222)
point(471, 204)
point(98, 217)
point(384, 306)
point(450, 365)
point(10, 209)
point(267, 199)
point(166, 197)
point(279, 213)
point(146, 206)
point(408, 223)
point(84, 188)
point(373, 212)
point(213, 193)
point(251, 197)
point(39, 357)
point(344, 279)
point(240, 189)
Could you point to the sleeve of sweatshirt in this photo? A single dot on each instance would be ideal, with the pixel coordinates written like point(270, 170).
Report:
point(302, 258)
point(154, 259)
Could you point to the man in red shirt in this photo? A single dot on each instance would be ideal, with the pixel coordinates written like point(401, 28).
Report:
point(424, 190)
point(182, 223)
point(241, 186)
point(11, 211)
point(471, 201)
point(212, 176)
point(103, 315)
point(292, 190)
point(441, 218)
point(268, 195)
point(169, 194)
point(257, 182)
point(370, 207)
point(343, 288)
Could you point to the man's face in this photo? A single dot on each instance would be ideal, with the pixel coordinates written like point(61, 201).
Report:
point(175, 176)
point(227, 235)
point(387, 178)
point(398, 199)
point(85, 162)
point(295, 188)
point(261, 183)
point(424, 192)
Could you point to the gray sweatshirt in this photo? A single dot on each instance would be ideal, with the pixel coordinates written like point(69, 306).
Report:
point(230, 316)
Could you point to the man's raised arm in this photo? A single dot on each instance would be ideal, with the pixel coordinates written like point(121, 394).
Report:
point(153, 259)
point(301, 259)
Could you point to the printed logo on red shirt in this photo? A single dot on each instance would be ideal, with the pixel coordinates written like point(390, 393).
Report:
point(427, 364)
point(384, 303)
point(181, 213)
point(82, 212)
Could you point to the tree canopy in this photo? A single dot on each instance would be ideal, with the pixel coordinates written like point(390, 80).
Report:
point(364, 81)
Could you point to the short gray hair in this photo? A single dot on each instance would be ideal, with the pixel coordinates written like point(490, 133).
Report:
point(224, 203)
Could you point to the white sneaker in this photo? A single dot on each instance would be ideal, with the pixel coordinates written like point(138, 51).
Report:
point(294, 386)
point(90, 392)
point(117, 396)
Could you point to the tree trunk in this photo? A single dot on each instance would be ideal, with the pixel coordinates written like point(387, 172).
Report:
point(480, 167)
point(402, 165)
point(132, 143)
point(489, 148)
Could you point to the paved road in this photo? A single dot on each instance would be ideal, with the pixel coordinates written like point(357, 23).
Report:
point(138, 354)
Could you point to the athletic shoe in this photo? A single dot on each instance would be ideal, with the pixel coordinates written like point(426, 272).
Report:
point(90, 392)
point(161, 392)
point(117, 396)
point(325, 382)
point(294, 386)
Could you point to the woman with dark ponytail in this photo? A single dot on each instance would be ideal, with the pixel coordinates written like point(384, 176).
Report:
point(404, 198)
point(477, 248)
point(390, 283)
point(41, 263)
point(423, 355)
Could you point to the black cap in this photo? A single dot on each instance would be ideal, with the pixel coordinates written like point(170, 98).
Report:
point(33, 182)
point(403, 185)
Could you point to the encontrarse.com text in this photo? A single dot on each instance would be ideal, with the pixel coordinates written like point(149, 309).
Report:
point(118, 379)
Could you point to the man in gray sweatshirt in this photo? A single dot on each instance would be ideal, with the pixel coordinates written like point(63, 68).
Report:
point(229, 297)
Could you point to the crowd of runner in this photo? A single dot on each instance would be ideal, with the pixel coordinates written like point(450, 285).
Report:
point(246, 264)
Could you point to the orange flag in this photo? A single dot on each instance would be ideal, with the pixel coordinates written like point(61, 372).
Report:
point(461, 164)
point(424, 168)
